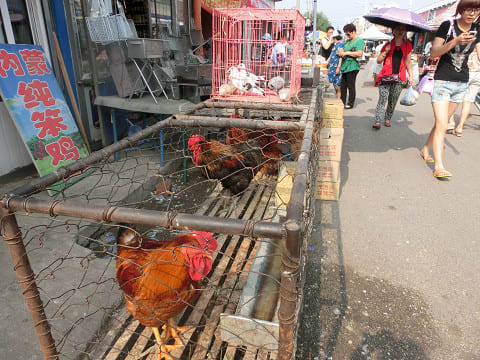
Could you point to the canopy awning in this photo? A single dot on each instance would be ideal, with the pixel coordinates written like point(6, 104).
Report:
point(373, 33)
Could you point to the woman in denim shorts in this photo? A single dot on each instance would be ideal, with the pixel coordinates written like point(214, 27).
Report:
point(454, 42)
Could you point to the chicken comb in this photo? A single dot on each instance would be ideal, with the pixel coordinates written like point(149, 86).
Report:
point(195, 139)
point(205, 240)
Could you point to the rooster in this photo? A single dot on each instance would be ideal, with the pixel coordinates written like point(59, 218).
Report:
point(160, 279)
point(234, 166)
point(271, 152)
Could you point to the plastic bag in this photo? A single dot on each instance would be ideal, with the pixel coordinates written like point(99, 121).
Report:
point(426, 84)
point(409, 98)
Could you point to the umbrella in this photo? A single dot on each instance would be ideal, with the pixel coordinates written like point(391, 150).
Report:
point(390, 17)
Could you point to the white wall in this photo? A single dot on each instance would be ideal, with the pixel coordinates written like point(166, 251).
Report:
point(13, 152)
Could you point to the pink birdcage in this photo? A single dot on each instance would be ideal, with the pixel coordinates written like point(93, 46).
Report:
point(257, 54)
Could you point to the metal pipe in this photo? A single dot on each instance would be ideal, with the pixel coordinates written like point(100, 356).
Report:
point(254, 106)
point(170, 220)
point(12, 235)
point(287, 312)
point(202, 121)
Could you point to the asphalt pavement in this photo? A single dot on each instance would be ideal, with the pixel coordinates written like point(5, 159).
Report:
point(393, 268)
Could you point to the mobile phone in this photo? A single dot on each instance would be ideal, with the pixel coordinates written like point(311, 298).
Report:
point(473, 33)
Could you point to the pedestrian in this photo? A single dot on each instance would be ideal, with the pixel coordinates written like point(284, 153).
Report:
point(327, 43)
point(395, 56)
point(454, 42)
point(334, 64)
point(471, 94)
point(350, 67)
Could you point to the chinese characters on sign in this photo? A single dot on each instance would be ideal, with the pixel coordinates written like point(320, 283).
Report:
point(36, 103)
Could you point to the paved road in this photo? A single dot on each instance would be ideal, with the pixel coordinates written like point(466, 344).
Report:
point(394, 266)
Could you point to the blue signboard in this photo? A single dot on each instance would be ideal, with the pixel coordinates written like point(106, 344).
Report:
point(37, 105)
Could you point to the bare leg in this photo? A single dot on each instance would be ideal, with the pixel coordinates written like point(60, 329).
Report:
point(466, 107)
point(442, 112)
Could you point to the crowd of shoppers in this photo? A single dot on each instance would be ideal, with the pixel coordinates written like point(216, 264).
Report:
point(456, 79)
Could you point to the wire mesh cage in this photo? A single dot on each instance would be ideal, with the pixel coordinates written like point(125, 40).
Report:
point(257, 54)
point(143, 261)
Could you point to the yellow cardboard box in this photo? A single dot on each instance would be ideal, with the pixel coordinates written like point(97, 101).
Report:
point(332, 109)
point(286, 174)
point(330, 146)
point(327, 190)
point(332, 123)
point(328, 171)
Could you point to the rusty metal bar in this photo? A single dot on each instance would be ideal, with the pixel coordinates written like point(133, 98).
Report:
point(291, 257)
point(12, 235)
point(171, 220)
point(255, 106)
point(220, 122)
point(287, 312)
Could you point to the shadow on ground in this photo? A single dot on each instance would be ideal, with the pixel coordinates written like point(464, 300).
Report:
point(348, 316)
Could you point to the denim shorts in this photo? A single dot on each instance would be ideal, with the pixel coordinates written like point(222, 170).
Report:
point(450, 91)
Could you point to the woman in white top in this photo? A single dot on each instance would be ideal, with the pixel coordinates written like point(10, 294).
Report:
point(472, 91)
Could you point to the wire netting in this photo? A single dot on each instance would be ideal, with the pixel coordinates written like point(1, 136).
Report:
point(105, 285)
point(257, 54)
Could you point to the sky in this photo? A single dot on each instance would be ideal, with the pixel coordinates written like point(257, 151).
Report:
point(341, 12)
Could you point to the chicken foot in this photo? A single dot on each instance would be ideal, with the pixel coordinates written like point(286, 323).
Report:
point(171, 330)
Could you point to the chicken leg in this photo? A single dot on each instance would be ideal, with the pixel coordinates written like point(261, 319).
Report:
point(170, 330)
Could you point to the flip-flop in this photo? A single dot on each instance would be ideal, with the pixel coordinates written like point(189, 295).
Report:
point(451, 126)
point(429, 158)
point(442, 174)
point(459, 133)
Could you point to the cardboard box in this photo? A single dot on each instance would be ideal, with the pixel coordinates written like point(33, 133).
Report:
point(332, 109)
point(332, 123)
point(327, 190)
point(328, 171)
point(286, 174)
point(330, 147)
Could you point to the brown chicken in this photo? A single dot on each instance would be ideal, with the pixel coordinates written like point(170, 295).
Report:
point(160, 279)
point(271, 152)
point(234, 166)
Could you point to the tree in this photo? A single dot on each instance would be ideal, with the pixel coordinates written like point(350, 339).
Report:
point(322, 20)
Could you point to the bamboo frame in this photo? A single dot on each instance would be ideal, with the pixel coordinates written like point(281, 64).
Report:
point(19, 200)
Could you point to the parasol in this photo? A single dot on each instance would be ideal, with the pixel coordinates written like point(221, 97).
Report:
point(390, 17)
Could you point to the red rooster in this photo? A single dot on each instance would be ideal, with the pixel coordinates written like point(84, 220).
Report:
point(234, 166)
point(159, 279)
point(271, 152)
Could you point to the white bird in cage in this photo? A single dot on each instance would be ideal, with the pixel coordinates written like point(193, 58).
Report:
point(251, 80)
point(234, 78)
point(276, 83)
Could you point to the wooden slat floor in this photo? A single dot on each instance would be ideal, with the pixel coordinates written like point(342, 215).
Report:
point(128, 339)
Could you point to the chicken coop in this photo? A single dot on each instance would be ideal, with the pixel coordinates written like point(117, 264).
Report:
point(257, 54)
point(143, 261)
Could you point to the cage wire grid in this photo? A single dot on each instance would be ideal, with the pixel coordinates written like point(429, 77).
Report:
point(74, 256)
point(257, 54)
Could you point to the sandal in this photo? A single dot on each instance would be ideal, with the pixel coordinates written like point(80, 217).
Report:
point(377, 126)
point(457, 132)
point(427, 159)
point(442, 174)
point(451, 126)
point(387, 124)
